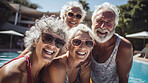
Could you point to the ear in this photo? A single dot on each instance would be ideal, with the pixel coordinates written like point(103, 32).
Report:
point(34, 45)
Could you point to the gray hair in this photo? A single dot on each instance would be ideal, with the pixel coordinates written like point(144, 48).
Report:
point(70, 5)
point(109, 6)
point(51, 23)
point(81, 27)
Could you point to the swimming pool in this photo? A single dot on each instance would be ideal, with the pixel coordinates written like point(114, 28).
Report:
point(138, 74)
point(6, 56)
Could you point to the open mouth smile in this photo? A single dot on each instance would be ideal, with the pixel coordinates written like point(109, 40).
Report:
point(101, 34)
point(49, 52)
point(81, 53)
point(74, 23)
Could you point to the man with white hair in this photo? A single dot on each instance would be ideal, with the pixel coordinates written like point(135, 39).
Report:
point(112, 54)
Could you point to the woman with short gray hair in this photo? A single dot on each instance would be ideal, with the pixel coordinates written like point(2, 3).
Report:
point(72, 13)
point(44, 40)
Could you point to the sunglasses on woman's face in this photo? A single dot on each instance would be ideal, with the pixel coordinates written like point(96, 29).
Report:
point(71, 14)
point(47, 38)
point(77, 42)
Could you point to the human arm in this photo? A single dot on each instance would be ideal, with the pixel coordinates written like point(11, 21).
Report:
point(124, 61)
point(56, 72)
point(11, 73)
point(25, 52)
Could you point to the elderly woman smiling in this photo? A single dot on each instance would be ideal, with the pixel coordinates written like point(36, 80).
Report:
point(72, 13)
point(45, 40)
point(67, 68)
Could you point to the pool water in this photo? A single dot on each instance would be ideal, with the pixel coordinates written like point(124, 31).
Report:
point(7, 56)
point(138, 74)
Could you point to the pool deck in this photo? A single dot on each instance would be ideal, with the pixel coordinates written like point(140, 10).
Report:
point(140, 59)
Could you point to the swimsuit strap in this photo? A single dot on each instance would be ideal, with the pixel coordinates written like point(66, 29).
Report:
point(66, 81)
point(78, 75)
point(29, 75)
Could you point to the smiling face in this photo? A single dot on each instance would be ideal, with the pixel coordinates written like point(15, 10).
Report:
point(46, 48)
point(103, 25)
point(73, 20)
point(81, 45)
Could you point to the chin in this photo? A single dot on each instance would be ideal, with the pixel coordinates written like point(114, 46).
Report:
point(105, 39)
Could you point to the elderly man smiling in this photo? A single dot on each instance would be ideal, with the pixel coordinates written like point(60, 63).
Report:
point(112, 54)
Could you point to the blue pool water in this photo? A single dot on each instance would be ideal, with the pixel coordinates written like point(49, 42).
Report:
point(138, 74)
point(6, 56)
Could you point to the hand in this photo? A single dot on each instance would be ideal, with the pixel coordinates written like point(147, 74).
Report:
point(26, 51)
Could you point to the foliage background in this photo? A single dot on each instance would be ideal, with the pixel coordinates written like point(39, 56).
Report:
point(133, 18)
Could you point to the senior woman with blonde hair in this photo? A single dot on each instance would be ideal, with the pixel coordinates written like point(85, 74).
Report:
point(67, 68)
point(45, 40)
point(72, 13)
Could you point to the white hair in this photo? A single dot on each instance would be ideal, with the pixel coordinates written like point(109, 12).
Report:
point(108, 6)
point(70, 5)
point(81, 27)
point(51, 23)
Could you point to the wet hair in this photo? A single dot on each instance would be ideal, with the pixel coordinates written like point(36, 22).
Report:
point(51, 23)
point(107, 6)
point(81, 27)
point(68, 7)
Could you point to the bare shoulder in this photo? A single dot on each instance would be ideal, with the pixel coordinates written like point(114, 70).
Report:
point(13, 70)
point(56, 69)
point(57, 66)
point(125, 49)
point(125, 44)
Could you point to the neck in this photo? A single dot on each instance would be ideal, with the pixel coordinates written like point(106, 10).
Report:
point(72, 62)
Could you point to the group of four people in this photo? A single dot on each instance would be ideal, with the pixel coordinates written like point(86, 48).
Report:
point(61, 50)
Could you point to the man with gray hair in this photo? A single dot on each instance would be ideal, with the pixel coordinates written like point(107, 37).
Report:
point(112, 54)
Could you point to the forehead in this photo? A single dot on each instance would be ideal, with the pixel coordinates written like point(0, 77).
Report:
point(82, 35)
point(105, 13)
point(75, 9)
point(54, 34)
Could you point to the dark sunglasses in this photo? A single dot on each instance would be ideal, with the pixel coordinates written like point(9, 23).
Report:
point(47, 38)
point(77, 42)
point(71, 14)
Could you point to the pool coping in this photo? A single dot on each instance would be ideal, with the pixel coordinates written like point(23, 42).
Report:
point(140, 59)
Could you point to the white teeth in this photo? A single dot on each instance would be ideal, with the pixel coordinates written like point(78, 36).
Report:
point(73, 23)
point(100, 31)
point(82, 53)
point(49, 51)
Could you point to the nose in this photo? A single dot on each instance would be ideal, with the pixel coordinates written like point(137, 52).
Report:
point(52, 43)
point(82, 45)
point(74, 17)
point(102, 26)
